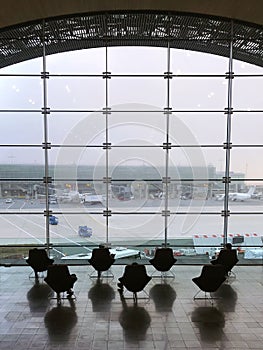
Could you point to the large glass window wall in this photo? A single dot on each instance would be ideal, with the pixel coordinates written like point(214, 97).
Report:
point(134, 147)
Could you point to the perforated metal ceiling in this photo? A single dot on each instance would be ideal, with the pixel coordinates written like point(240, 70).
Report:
point(190, 32)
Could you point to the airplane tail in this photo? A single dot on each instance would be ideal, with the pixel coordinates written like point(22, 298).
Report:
point(251, 190)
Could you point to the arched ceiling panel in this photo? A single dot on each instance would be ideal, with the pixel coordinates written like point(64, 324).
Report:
point(184, 31)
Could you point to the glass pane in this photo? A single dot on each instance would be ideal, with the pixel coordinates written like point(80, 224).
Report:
point(129, 92)
point(246, 128)
point(199, 93)
point(91, 61)
point(76, 93)
point(137, 60)
point(135, 229)
point(245, 162)
point(197, 128)
point(127, 128)
point(21, 93)
point(23, 227)
point(190, 62)
point(21, 128)
point(17, 156)
point(247, 93)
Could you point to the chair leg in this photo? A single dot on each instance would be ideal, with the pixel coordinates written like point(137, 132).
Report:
point(58, 298)
point(135, 298)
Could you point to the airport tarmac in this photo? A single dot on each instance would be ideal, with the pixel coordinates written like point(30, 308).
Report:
point(23, 221)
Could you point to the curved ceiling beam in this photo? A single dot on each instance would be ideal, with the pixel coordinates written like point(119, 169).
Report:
point(184, 31)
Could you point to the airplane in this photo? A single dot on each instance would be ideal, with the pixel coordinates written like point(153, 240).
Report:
point(238, 196)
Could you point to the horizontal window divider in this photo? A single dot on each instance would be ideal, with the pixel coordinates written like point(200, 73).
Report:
point(120, 75)
point(21, 75)
point(103, 112)
point(22, 145)
point(129, 146)
point(22, 179)
point(131, 179)
point(82, 245)
point(246, 212)
point(65, 212)
point(22, 110)
point(12, 212)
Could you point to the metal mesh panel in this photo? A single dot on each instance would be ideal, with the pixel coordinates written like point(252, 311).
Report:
point(195, 33)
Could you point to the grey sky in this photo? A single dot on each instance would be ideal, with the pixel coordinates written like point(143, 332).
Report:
point(125, 93)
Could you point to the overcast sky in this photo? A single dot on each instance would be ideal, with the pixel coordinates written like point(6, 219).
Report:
point(145, 129)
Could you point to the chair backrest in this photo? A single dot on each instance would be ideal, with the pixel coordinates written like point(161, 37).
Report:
point(211, 278)
point(163, 259)
point(101, 259)
point(100, 253)
point(227, 258)
point(59, 278)
point(135, 277)
point(38, 259)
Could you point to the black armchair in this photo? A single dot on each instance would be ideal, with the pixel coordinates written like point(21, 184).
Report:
point(101, 260)
point(134, 279)
point(60, 280)
point(38, 260)
point(163, 260)
point(227, 258)
point(211, 278)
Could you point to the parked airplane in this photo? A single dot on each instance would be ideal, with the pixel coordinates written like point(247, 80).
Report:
point(238, 196)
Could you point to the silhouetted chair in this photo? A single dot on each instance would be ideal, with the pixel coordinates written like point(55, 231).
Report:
point(38, 260)
point(101, 259)
point(134, 279)
point(60, 280)
point(163, 261)
point(211, 278)
point(227, 258)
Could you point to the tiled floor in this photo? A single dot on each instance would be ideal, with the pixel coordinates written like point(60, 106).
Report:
point(98, 319)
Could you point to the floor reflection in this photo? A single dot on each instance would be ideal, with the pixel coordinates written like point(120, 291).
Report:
point(101, 295)
point(163, 296)
point(60, 320)
point(38, 297)
point(135, 321)
point(210, 322)
point(227, 298)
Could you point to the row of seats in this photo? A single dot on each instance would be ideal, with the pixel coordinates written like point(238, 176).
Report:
point(135, 277)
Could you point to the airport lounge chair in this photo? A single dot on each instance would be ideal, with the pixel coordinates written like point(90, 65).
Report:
point(163, 261)
point(38, 260)
point(211, 278)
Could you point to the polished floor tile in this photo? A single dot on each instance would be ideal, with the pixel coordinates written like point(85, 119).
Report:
point(165, 318)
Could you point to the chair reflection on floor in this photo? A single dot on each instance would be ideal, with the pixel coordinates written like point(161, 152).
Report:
point(211, 278)
point(60, 321)
point(227, 297)
point(163, 296)
point(101, 260)
point(210, 322)
point(38, 297)
point(134, 279)
point(135, 320)
point(101, 295)
point(60, 280)
point(38, 260)
point(163, 261)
